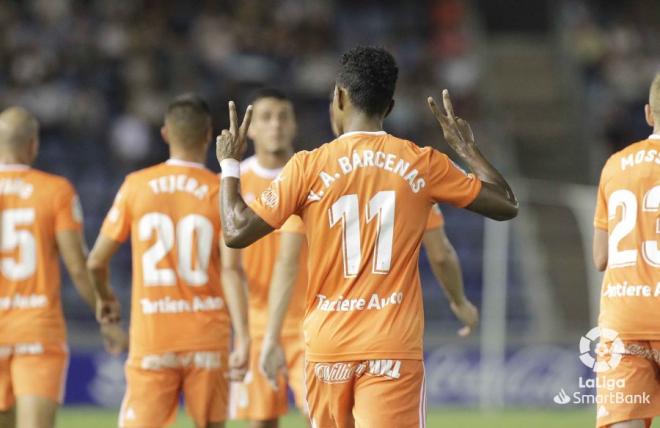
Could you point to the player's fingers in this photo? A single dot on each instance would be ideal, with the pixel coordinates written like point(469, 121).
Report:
point(435, 110)
point(465, 331)
point(446, 102)
point(246, 122)
point(233, 118)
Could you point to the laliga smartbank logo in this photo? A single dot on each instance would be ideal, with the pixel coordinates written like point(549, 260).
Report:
point(601, 349)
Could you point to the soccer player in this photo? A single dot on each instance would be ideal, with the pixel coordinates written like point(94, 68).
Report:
point(364, 199)
point(41, 218)
point(179, 337)
point(444, 264)
point(272, 130)
point(625, 246)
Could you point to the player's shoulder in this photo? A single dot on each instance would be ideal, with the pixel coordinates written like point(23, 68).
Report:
point(50, 181)
point(409, 147)
point(640, 152)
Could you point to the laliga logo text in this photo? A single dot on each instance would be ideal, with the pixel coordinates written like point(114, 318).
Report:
point(609, 349)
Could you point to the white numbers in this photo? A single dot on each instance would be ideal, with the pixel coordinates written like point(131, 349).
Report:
point(346, 209)
point(194, 272)
point(13, 238)
point(383, 205)
point(188, 228)
point(650, 250)
point(628, 203)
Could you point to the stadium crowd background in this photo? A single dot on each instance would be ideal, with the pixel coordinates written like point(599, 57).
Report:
point(98, 75)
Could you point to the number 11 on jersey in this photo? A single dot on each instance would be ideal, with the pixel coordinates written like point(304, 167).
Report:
point(347, 211)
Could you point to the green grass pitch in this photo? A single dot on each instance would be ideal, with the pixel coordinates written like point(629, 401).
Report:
point(437, 418)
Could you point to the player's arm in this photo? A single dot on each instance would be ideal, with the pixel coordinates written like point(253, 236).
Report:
point(496, 199)
point(283, 281)
point(446, 268)
point(600, 248)
point(234, 288)
point(241, 226)
point(73, 250)
point(98, 263)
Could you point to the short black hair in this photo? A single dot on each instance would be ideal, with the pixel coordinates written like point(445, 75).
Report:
point(189, 101)
point(189, 119)
point(268, 92)
point(369, 75)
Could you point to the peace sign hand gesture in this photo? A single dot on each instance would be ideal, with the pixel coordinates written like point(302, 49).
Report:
point(230, 144)
point(457, 131)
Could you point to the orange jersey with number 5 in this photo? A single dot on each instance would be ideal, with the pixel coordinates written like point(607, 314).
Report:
point(628, 207)
point(171, 213)
point(34, 207)
point(365, 200)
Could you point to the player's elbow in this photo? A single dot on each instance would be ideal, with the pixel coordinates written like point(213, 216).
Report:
point(600, 261)
point(508, 211)
point(235, 240)
point(95, 264)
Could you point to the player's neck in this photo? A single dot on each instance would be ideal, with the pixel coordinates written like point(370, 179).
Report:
point(363, 123)
point(12, 159)
point(188, 156)
point(273, 160)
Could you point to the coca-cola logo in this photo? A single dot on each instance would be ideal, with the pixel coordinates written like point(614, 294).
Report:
point(337, 372)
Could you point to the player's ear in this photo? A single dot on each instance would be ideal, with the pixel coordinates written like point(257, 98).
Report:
point(389, 109)
point(649, 116)
point(341, 97)
point(163, 133)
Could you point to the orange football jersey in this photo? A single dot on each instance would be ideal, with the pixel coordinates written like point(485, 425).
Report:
point(628, 207)
point(34, 206)
point(259, 259)
point(171, 213)
point(365, 200)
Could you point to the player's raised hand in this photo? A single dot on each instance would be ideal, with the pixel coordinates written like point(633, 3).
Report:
point(230, 144)
point(467, 314)
point(272, 362)
point(108, 311)
point(115, 338)
point(457, 131)
point(239, 361)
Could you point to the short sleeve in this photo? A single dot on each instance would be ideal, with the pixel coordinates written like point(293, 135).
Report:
point(294, 224)
point(68, 211)
point(600, 217)
point(435, 219)
point(117, 224)
point(449, 183)
point(284, 196)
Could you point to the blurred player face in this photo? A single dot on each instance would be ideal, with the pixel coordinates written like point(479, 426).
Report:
point(273, 126)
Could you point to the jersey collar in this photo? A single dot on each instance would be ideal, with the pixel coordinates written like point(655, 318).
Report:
point(179, 162)
point(348, 134)
point(253, 165)
point(13, 167)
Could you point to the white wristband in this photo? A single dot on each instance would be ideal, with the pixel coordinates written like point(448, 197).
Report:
point(230, 168)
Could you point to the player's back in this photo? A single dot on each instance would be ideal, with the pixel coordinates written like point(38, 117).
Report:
point(35, 206)
point(368, 197)
point(629, 209)
point(171, 212)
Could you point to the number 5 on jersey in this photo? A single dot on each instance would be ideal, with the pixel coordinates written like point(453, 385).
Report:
point(194, 272)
